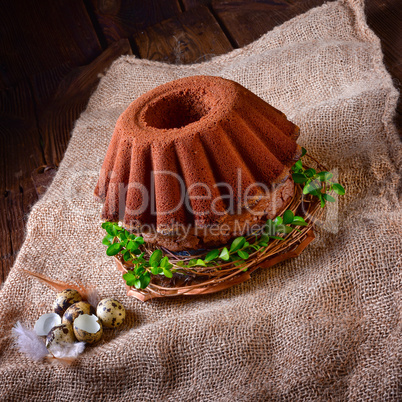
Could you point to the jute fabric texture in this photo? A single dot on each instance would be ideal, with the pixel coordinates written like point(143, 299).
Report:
point(324, 326)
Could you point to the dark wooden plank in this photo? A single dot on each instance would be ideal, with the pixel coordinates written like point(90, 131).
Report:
point(188, 4)
point(20, 154)
point(6, 251)
point(40, 36)
point(122, 18)
point(20, 148)
point(17, 207)
point(46, 82)
point(246, 21)
point(61, 100)
point(190, 37)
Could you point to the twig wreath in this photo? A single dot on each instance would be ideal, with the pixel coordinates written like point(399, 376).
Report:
point(153, 272)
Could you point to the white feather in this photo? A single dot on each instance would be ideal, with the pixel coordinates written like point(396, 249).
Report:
point(28, 342)
point(68, 350)
point(93, 297)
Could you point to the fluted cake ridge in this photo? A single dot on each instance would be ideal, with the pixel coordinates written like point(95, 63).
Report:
point(185, 152)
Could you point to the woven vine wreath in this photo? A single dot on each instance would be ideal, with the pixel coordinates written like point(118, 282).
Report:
point(151, 272)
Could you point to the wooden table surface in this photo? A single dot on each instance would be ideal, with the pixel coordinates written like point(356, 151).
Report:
point(51, 57)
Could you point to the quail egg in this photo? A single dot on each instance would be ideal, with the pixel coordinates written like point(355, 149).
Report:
point(111, 312)
point(75, 310)
point(88, 328)
point(60, 334)
point(46, 322)
point(65, 299)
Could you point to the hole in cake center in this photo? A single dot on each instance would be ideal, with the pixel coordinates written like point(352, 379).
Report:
point(176, 111)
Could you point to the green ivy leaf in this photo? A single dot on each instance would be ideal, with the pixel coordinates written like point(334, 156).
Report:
point(299, 177)
point(304, 151)
point(164, 262)
point(310, 188)
point(317, 193)
point(111, 230)
point(288, 217)
point(192, 262)
point(124, 243)
point(243, 254)
point(298, 220)
point(237, 244)
point(338, 189)
point(105, 225)
point(139, 270)
point(277, 237)
point(212, 255)
point(224, 255)
point(167, 273)
point(126, 255)
point(130, 278)
point(322, 200)
point(107, 240)
point(132, 245)
point(278, 221)
point(263, 244)
point(155, 258)
point(144, 280)
point(328, 197)
point(113, 249)
point(201, 263)
point(284, 229)
point(325, 176)
point(264, 238)
point(122, 235)
point(139, 240)
point(298, 166)
point(310, 172)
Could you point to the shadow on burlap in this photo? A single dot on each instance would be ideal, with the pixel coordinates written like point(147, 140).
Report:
point(323, 326)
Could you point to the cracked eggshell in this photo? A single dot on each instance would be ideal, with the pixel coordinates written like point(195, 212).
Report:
point(76, 310)
point(60, 334)
point(46, 322)
point(65, 299)
point(88, 328)
point(111, 312)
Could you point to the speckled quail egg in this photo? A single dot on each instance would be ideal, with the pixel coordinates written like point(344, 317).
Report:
point(75, 310)
point(111, 312)
point(88, 328)
point(65, 299)
point(60, 334)
point(46, 322)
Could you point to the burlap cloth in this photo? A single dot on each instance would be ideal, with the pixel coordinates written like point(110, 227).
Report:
point(326, 325)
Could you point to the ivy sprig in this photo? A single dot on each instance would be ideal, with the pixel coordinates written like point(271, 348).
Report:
point(318, 184)
point(119, 241)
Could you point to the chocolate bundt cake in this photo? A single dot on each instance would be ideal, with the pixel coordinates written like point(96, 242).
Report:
point(197, 161)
